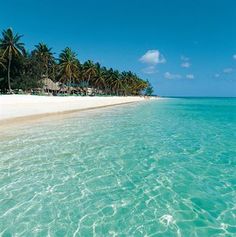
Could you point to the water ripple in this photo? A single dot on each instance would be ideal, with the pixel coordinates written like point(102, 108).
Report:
point(159, 169)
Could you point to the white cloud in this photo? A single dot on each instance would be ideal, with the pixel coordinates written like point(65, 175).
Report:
point(170, 76)
point(150, 70)
point(153, 57)
point(185, 64)
point(228, 70)
point(190, 76)
point(234, 56)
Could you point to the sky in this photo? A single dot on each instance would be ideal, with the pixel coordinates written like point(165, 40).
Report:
point(183, 47)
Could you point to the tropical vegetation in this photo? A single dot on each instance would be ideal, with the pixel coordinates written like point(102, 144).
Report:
point(24, 70)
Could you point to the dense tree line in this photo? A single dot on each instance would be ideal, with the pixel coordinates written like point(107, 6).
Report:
point(21, 69)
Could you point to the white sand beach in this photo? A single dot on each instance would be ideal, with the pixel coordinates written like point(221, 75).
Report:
point(20, 106)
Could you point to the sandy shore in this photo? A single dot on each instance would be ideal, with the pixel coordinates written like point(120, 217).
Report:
point(22, 106)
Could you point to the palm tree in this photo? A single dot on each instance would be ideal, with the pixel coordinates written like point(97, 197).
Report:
point(116, 83)
point(149, 89)
point(100, 78)
point(90, 72)
point(109, 80)
point(68, 65)
point(45, 56)
point(126, 82)
point(31, 66)
point(12, 47)
point(131, 82)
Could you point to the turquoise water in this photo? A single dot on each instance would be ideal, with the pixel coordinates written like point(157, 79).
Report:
point(161, 168)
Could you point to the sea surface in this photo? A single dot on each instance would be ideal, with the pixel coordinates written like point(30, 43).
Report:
point(157, 168)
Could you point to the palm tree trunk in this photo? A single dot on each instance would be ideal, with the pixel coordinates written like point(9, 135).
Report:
point(105, 88)
point(9, 73)
point(46, 71)
point(69, 84)
point(87, 84)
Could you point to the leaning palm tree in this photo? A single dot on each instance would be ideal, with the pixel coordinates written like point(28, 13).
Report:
point(45, 56)
point(129, 80)
point(68, 65)
point(12, 47)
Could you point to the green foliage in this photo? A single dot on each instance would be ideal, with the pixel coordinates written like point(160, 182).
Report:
point(10, 44)
point(11, 47)
point(24, 70)
point(2, 61)
point(149, 89)
point(44, 58)
point(68, 65)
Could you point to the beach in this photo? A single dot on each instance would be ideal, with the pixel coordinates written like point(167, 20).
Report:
point(118, 119)
point(15, 107)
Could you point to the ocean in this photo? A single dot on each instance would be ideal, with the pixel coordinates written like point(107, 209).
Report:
point(157, 168)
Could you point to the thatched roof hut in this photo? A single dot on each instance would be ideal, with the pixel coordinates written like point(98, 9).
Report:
point(70, 89)
point(49, 85)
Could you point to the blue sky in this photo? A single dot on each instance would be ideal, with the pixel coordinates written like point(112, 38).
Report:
point(184, 47)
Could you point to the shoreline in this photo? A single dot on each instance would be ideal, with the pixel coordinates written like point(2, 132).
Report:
point(23, 109)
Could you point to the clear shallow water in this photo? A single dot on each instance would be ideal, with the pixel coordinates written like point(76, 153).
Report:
point(162, 168)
